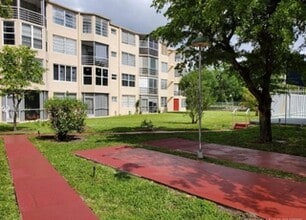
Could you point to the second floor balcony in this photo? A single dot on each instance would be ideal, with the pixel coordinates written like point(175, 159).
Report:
point(94, 60)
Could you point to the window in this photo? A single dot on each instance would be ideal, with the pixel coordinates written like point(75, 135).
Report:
point(114, 98)
point(128, 80)
point(128, 59)
point(26, 35)
point(87, 74)
point(87, 24)
point(70, 19)
point(164, 67)
point(114, 54)
point(113, 31)
point(64, 45)
point(183, 103)
point(148, 66)
point(64, 18)
point(163, 84)
point(31, 36)
point(128, 101)
point(128, 38)
point(101, 77)
point(8, 32)
point(101, 27)
point(114, 76)
point(163, 101)
point(64, 73)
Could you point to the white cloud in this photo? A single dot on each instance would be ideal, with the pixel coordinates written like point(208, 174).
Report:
point(136, 15)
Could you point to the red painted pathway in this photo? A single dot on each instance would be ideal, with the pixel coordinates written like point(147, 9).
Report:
point(254, 193)
point(42, 193)
point(284, 162)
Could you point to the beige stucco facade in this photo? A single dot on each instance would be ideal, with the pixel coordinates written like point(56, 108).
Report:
point(108, 67)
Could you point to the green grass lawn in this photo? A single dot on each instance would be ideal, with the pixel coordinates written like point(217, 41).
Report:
point(115, 195)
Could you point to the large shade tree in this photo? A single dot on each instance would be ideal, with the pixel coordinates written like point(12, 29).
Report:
point(19, 69)
point(255, 37)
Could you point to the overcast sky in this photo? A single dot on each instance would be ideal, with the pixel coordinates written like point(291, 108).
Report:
point(136, 15)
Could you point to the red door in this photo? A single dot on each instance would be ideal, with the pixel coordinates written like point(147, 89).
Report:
point(176, 104)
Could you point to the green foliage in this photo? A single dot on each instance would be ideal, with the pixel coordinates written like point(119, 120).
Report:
point(249, 101)
point(19, 69)
point(255, 38)
point(229, 86)
point(5, 10)
point(66, 115)
point(147, 124)
point(189, 85)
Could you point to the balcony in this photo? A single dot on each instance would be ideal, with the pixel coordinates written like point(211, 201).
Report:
point(148, 48)
point(148, 91)
point(93, 60)
point(27, 15)
point(148, 72)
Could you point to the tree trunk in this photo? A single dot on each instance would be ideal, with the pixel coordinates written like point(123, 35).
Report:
point(265, 118)
point(16, 102)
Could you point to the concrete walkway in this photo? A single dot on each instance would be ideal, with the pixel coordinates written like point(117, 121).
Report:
point(42, 193)
point(278, 161)
point(262, 195)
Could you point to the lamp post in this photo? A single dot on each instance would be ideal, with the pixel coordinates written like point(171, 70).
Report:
point(200, 42)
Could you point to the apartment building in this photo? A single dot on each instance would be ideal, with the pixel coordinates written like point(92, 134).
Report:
point(108, 67)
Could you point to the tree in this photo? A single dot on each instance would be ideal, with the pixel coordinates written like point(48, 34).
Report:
point(18, 70)
point(5, 10)
point(66, 115)
point(228, 86)
point(254, 37)
point(189, 86)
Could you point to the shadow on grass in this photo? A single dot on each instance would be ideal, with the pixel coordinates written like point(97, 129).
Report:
point(121, 175)
point(293, 138)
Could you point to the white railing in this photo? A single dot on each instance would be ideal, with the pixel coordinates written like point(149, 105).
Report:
point(92, 60)
point(28, 15)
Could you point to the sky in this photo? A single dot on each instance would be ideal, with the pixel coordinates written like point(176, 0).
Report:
point(136, 15)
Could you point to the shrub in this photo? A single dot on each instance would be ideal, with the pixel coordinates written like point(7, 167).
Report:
point(147, 124)
point(66, 115)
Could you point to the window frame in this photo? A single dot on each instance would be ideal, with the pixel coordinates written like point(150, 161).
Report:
point(6, 32)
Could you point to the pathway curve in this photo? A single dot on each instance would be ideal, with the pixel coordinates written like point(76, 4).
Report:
point(265, 196)
point(271, 160)
point(42, 193)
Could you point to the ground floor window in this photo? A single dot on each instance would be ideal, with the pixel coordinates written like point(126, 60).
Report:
point(128, 101)
point(97, 104)
point(149, 104)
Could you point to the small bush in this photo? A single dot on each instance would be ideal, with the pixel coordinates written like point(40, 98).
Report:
point(66, 115)
point(147, 124)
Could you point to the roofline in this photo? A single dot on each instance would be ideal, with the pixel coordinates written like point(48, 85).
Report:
point(95, 14)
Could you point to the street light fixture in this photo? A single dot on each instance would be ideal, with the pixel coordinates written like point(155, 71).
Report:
point(200, 42)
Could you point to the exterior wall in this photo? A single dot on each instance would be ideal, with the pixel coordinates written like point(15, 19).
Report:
point(111, 99)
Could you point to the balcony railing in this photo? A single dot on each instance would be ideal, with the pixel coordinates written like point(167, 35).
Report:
point(92, 60)
point(27, 15)
point(148, 91)
point(148, 51)
point(148, 72)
